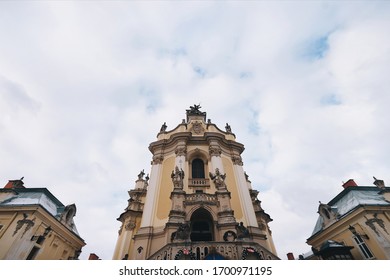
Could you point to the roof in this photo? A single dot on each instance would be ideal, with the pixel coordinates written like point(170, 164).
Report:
point(351, 198)
point(33, 196)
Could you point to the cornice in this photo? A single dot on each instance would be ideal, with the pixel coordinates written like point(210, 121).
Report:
point(206, 139)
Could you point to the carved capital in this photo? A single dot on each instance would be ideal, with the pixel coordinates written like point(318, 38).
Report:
point(181, 151)
point(157, 159)
point(130, 225)
point(215, 151)
point(237, 160)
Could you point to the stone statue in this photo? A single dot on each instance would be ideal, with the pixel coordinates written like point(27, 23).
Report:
point(195, 108)
point(218, 178)
point(163, 127)
point(242, 231)
point(228, 128)
point(177, 178)
point(247, 177)
point(146, 184)
point(141, 175)
point(183, 232)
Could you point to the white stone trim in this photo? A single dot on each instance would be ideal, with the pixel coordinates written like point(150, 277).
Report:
point(151, 196)
point(244, 196)
point(216, 162)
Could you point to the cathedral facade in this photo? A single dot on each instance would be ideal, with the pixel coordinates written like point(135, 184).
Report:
point(197, 202)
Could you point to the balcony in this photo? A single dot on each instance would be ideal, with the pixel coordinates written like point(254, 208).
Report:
point(201, 198)
point(236, 250)
point(199, 182)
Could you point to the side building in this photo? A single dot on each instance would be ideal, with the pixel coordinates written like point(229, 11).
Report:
point(353, 225)
point(197, 203)
point(34, 224)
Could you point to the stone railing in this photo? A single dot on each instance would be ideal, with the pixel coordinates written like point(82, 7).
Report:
point(198, 182)
point(236, 250)
point(197, 198)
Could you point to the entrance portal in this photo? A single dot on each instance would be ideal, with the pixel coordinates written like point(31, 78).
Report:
point(201, 226)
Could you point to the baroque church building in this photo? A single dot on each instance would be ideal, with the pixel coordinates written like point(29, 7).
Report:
point(197, 203)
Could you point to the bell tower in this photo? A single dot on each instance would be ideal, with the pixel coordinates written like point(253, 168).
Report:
point(198, 202)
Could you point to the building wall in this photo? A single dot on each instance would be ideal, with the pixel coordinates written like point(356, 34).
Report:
point(20, 231)
point(166, 207)
point(372, 226)
point(164, 189)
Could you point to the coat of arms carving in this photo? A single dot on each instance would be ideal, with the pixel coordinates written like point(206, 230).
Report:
point(197, 127)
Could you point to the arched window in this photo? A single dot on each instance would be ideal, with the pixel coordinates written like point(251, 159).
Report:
point(197, 168)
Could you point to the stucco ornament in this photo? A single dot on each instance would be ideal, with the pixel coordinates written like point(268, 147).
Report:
point(130, 225)
point(197, 127)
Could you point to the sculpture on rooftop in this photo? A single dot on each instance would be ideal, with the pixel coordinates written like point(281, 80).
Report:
point(141, 175)
point(195, 109)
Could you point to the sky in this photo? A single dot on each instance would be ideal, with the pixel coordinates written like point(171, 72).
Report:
point(85, 87)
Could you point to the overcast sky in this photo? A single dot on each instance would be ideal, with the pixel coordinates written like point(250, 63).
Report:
point(85, 87)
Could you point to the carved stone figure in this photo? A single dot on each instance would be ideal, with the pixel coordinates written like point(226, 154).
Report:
point(218, 178)
point(242, 231)
point(177, 178)
point(246, 177)
point(228, 128)
point(146, 183)
point(141, 175)
point(183, 232)
point(195, 109)
point(163, 127)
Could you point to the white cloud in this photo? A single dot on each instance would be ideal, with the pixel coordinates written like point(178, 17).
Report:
point(303, 86)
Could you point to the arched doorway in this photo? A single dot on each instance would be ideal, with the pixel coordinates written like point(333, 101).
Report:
point(202, 226)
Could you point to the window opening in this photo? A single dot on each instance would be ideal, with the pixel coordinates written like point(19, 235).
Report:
point(198, 168)
point(363, 247)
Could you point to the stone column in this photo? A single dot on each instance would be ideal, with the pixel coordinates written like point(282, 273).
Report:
point(151, 197)
point(243, 193)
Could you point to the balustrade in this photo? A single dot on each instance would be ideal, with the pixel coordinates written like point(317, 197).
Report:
point(201, 250)
point(198, 182)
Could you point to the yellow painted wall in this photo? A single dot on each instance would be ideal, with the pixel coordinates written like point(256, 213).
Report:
point(164, 202)
point(57, 245)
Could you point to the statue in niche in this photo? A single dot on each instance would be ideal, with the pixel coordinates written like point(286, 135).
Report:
point(177, 178)
point(218, 178)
